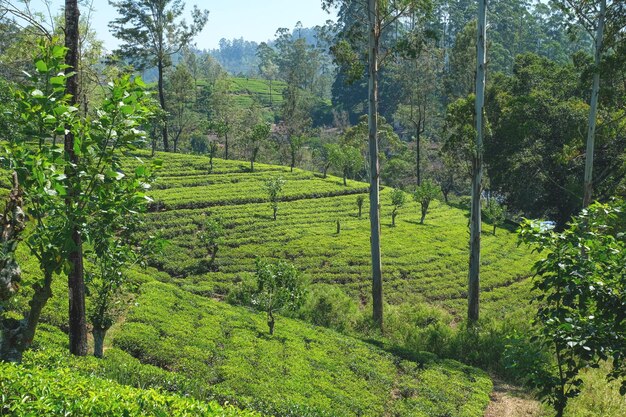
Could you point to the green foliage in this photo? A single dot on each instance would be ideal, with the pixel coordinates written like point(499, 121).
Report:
point(424, 194)
point(87, 191)
point(279, 286)
point(211, 236)
point(345, 158)
point(257, 136)
point(359, 203)
point(496, 213)
point(398, 198)
point(226, 349)
point(330, 307)
point(274, 187)
point(580, 285)
point(31, 390)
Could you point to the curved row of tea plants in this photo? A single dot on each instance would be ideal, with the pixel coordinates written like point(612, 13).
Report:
point(302, 370)
point(426, 261)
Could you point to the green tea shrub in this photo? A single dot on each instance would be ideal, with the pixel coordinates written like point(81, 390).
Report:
point(32, 391)
point(330, 307)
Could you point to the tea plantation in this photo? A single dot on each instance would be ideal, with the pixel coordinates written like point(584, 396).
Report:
point(425, 262)
point(180, 349)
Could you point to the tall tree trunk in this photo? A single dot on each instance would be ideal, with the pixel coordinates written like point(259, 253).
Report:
point(477, 168)
point(593, 110)
point(270, 321)
point(418, 162)
point(166, 144)
point(377, 279)
point(76, 282)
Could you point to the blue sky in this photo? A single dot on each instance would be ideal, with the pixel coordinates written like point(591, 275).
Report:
point(254, 20)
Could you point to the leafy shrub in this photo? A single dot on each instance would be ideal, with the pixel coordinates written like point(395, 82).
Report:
point(330, 307)
point(30, 390)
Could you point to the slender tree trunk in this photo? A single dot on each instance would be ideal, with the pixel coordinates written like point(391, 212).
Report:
point(98, 341)
point(360, 210)
point(424, 211)
point(270, 321)
point(477, 168)
point(393, 218)
point(166, 144)
point(418, 152)
point(338, 227)
point(345, 179)
point(76, 281)
point(377, 279)
point(226, 146)
point(325, 172)
point(214, 255)
point(593, 111)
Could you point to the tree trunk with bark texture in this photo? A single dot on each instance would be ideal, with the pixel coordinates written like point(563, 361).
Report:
point(98, 341)
point(377, 279)
point(166, 144)
point(477, 169)
point(76, 282)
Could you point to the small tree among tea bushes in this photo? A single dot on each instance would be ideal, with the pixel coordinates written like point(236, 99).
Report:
point(279, 287)
point(424, 194)
point(496, 213)
point(397, 201)
point(211, 238)
point(274, 188)
point(359, 202)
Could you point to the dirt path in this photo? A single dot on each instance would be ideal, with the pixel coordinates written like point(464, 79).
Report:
point(510, 401)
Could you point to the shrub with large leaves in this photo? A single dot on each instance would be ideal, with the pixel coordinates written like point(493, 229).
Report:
point(581, 282)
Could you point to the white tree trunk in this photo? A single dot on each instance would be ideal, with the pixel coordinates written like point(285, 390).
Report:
point(477, 167)
point(593, 110)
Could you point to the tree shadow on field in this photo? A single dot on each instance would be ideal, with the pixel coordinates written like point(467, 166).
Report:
point(421, 358)
point(425, 224)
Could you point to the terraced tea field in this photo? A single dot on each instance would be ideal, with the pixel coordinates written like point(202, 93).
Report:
point(420, 262)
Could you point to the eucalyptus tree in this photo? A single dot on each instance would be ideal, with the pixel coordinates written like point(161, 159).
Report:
point(605, 22)
point(477, 165)
point(152, 32)
point(380, 16)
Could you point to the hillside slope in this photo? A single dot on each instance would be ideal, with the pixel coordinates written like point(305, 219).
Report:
point(301, 370)
point(425, 262)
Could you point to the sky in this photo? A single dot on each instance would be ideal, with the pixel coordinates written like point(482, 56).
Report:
point(254, 20)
